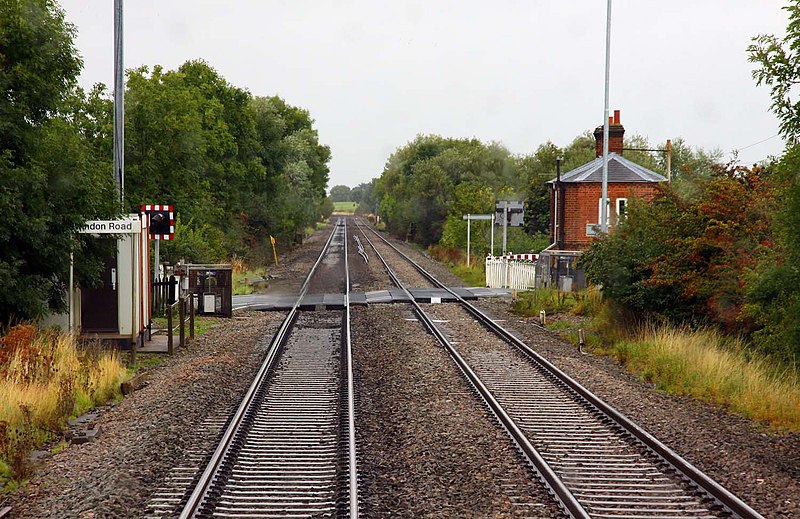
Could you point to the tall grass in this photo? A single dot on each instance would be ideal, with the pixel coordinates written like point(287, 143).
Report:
point(709, 366)
point(456, 262)
point(704, 364)
point(550, 300)
point(45, 378)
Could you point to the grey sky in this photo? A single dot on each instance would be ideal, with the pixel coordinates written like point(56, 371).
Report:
point(376, 73)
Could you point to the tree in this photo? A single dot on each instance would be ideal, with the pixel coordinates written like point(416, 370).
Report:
point(778, 61)
point(291, 195)
point(774, 291)
point(364, 194)
point(688, 260)
point(416, 192)
point(39, 68)
point(51, 179)
point(341, 194)
point(469, 198)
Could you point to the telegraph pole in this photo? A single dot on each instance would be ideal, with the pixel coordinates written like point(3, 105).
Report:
point(119, 104)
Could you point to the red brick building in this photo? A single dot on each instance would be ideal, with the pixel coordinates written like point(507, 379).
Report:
point(575, 199)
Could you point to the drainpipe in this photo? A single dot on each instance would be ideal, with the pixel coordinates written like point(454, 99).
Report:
point(561, 209)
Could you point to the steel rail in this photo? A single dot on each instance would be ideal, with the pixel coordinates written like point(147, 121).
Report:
point(198, 496)
point(720, 494)
point(351, 406)
point(548, 476)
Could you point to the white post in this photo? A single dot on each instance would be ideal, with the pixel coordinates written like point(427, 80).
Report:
point(492, 239)
point(71, 295)
point(156, 260)
point(505, 224)
point(469, 223)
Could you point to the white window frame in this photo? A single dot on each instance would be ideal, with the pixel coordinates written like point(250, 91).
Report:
point(617, 202)
point(620, 214)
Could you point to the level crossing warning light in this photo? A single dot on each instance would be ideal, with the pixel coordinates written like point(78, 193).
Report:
point(162, 221)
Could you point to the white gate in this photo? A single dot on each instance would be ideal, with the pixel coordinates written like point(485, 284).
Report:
point(504, 272)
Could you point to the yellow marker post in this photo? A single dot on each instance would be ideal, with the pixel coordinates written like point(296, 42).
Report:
point(274, 250)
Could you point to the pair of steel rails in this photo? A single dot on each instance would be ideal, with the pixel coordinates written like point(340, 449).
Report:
point(731, 505)
point(207, 483)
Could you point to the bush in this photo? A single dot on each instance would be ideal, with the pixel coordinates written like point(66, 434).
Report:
point(687, 259)
point(550, 300)
point(194, 243)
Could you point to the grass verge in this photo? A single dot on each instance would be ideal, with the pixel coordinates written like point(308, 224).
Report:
point(46, 377)
point(703, 364)
point(707, 365)
point(456, 262)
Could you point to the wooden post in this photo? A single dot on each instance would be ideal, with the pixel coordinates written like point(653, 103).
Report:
point(169, 330)
point(182, 317)
point(191, 316)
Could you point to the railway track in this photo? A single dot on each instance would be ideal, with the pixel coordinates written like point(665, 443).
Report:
point(596, 461)
point(289, 450)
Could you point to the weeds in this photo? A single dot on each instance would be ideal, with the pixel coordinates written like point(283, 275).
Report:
point(547, 299)
point(704, 364)
point(45, 378)
point(456, 261)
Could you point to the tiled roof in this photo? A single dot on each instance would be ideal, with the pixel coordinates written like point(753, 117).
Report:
point(620, 169)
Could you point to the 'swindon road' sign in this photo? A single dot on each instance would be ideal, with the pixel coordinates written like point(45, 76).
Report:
point(112, 227)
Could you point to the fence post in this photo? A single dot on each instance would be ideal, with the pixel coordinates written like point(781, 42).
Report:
point(191, 316)
point(169, 330)
point(182, 317)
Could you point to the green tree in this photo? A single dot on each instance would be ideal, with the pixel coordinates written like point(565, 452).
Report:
point(416, 191)
point(778, 61)
point(248, 167)
point(291, 195)
point(364, 194)
point(774, 296)
point(469, 198)
point(341, 194)
point(51, 179)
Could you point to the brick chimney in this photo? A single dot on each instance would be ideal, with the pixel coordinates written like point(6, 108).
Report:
point(615, 133)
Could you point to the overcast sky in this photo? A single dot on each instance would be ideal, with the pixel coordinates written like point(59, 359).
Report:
point(376, 73)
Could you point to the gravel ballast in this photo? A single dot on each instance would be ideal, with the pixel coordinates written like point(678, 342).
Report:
point(427, 447)
point(148, 433)
point(760, 466)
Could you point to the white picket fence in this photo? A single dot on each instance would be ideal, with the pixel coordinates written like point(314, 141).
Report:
point(503, 272)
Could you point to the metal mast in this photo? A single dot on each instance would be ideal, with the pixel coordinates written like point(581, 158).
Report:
point(119, 103)
point(604, 202)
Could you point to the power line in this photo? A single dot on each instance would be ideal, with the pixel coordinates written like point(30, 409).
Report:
point(756, 143)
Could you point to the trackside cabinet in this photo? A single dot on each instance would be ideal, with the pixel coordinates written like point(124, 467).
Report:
point(212, 288)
